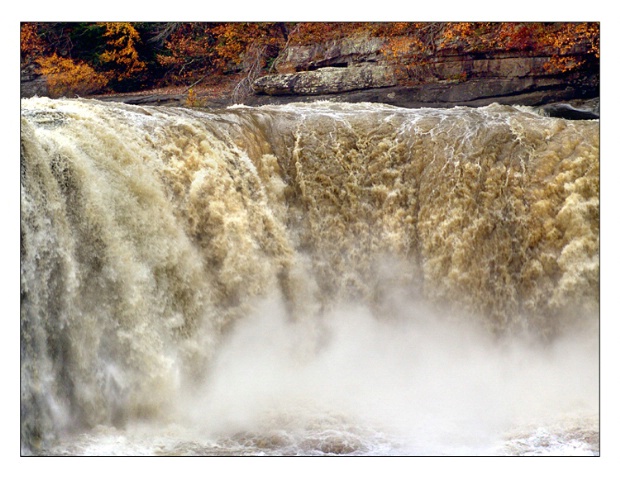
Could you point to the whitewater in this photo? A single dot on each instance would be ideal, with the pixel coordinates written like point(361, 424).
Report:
point(307, 279)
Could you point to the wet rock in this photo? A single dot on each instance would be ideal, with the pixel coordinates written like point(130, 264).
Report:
point(570, 112)
point(154, 99)
point(472, 93)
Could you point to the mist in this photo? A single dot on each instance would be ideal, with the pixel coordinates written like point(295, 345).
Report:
point(428, 384)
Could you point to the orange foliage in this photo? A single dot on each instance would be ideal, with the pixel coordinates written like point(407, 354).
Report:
point(197, 49)
point(413, 45)
point(121, 51)
point(318, 32)
point(193, 51)
point(65, 76)
point(240, 43)
point(31, 45)
point(458, 30)
point(189, 52)
point(565, 41)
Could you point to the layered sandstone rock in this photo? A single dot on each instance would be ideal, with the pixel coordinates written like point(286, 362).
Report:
point(356, 69)
point(336, 53)
point(326, 80)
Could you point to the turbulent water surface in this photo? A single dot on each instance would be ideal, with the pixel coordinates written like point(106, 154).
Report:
point(308, 279)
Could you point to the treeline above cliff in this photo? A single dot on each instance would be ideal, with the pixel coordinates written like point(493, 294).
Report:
point(68, 59)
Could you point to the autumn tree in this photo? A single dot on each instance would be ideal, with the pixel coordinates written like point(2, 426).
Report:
point(196, 50)
point(321, 32)
point(32, 45)
point(81, 58)
point(412, 47)
point(566, 39)
point(248, 47)
point(126, 56)
point(188, 53)
point(121, 55)
point(66, 77)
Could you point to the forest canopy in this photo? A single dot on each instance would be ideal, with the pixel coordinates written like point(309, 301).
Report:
point(80, 58)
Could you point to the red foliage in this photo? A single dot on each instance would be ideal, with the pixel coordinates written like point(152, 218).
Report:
point(186, 53)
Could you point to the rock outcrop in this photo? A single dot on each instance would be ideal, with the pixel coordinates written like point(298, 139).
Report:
point(588, 110)
point(31, 83)
point(337, 53)
point(327, 80)
point(355, 69)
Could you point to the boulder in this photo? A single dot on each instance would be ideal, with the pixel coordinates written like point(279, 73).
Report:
point(336, 53)
point(31, 83)
point(328, 80)
point(570, 112)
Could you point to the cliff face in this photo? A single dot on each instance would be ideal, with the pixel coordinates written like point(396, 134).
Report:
point(32, 83)
point(327, 80)
point(358, 70)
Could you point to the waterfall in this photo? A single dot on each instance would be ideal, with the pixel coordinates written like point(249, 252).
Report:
point(149, 235)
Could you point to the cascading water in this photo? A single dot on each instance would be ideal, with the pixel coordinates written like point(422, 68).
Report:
point(308, 279)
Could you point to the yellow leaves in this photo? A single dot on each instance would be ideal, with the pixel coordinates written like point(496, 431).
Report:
point(30, 43)
point(399, 46)
point(565, 40)
point(320, 32)
point(411, 45)
point(122, 38)
point(563, 64)
point(233, 39)
point(192, 100)
point(455, 31)
point(195, 50)
point(571, 33)
point(65, 76)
